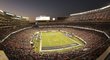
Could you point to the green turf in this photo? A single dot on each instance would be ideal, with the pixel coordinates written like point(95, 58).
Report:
point(51, 39)
point(56, 39)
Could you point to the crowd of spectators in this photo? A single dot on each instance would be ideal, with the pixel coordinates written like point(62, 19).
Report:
point(10, 25)
point(18, 47)
point(96, 15)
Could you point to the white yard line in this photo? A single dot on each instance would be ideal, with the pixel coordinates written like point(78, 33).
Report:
point(77, 38)
point(40, 42)
point(73, 40)
point(80, 39)
point(59, 49)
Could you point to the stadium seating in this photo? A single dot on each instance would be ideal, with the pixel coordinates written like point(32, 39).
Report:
point(17, 46)
point(22, 48)
point(9, 25)
point(97, 15)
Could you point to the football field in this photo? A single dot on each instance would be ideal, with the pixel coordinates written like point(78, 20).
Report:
point(51, 39)
point(54, 40)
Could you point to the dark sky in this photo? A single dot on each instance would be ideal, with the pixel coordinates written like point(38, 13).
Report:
point(53, 8)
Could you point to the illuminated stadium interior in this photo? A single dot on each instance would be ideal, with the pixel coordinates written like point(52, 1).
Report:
point(79, 36)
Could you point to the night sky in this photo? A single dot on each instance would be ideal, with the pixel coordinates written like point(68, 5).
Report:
point(53, 8)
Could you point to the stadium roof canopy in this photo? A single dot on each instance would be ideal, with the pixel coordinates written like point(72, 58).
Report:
point(90, 11)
